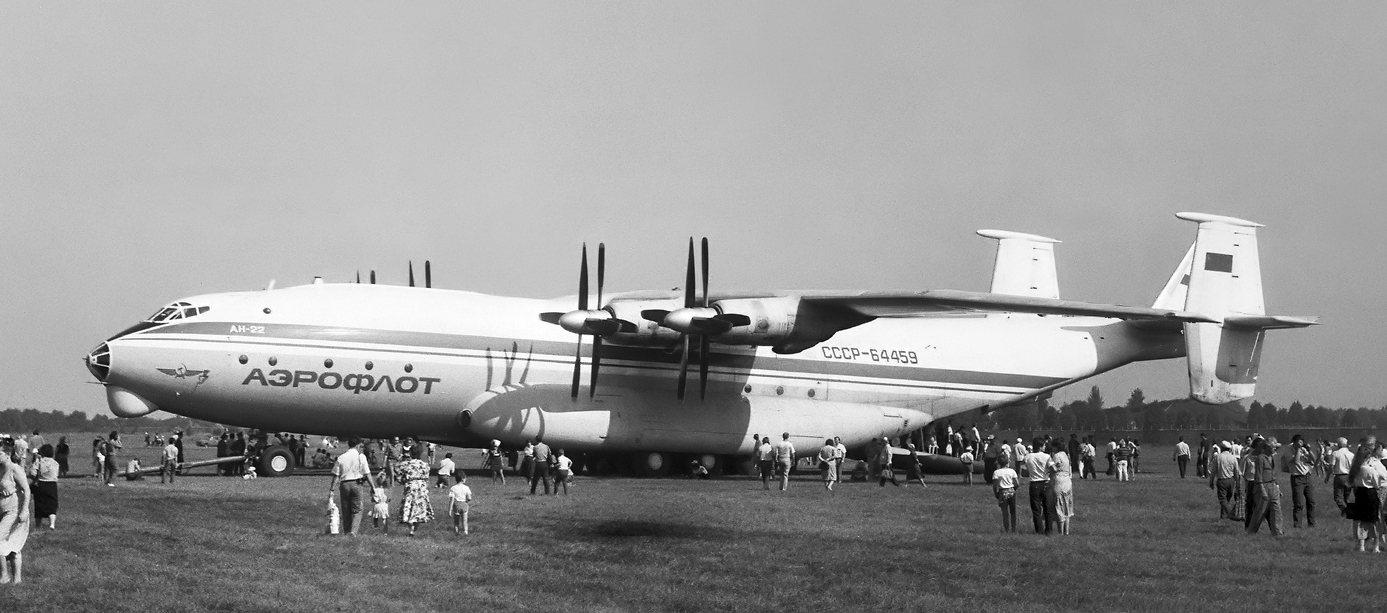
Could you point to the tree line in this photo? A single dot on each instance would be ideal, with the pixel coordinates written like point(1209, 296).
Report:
point(23, 421)
point(1093, 414)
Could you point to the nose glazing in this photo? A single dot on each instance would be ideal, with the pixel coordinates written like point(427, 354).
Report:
point(99, 362)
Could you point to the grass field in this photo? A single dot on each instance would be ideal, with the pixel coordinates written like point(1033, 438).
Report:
point(618, 544)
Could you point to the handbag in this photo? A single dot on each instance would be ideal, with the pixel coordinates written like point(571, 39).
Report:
point(823, 465)
point(887, 473)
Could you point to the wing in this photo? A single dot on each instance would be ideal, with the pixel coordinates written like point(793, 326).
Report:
point(172, 372)
point(938, 302)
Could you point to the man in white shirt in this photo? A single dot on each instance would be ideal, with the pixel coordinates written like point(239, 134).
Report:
point(1224, 471)
point(1302, 462)
point(839, 455)
point(349, 474)
point(1339, 464)
point(1182, 456)
point(1042, 497)
point(445, 470)
point(169, 462)
point(1018, 454)
point(784, 459)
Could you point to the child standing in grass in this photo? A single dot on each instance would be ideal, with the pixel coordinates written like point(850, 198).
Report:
point(1004, 481)
point(563, 475)
point(380, 512)
point(966, 458)
point(459, 503)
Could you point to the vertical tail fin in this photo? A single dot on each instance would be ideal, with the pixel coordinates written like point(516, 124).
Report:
point(1178, 287)
point(1025, 265)
point(1225, 282)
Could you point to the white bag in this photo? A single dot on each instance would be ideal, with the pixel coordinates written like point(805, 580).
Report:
point(334, 517)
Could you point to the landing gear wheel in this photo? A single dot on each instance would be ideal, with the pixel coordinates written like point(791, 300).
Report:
point(650, 464)
point(276, 461)
point(711, 462)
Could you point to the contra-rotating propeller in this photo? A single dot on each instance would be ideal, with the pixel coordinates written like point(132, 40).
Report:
point(696, 319)
point(597, 322)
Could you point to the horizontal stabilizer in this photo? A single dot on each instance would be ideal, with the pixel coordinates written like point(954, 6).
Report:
point(1269, 322)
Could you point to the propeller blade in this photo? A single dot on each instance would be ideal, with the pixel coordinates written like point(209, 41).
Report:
point(373, 277)
point(703, 346)
point(583, 281)
point(601, 270)
point(428, 275)
point(596, 363)
point(411, 273)
point(705, 271)
point(689, 279)
point(577, 367)
point(597, 339)
point(655, 315)
point(684, 361)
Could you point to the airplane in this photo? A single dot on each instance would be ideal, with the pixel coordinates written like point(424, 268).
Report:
point(463, 368)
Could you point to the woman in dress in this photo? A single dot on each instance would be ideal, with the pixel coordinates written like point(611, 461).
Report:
point(14, 515)
point(45, 486)
point(1062, 484)
point(1368, 477)
point(414, 474)
point(827, 458)
point(494, 459)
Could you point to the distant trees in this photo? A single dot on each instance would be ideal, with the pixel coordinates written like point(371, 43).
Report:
point(1140, 414)
point(24, 421)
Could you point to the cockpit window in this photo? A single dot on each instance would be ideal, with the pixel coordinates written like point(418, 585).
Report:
point(177, 310)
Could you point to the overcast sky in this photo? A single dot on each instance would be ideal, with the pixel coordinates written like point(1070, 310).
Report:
point(150, 151)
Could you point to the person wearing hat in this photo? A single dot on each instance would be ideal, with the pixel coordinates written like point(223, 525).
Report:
point(494, 460)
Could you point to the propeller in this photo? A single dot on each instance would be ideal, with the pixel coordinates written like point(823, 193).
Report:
point(696, 319)
point(598, 322)
point(597, 338)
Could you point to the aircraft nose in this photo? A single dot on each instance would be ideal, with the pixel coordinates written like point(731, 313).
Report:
point(99, 362)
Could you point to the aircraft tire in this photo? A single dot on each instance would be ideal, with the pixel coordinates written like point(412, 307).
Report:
point(714, 463)
point(651, 463)
point(276, 461)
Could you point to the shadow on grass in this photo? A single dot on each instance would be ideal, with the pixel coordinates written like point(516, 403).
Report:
point(647, 529)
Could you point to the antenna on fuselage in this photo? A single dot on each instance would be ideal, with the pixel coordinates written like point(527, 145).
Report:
point(411, 273)
point(428, 275)
point(373, 277)
point(358, 276)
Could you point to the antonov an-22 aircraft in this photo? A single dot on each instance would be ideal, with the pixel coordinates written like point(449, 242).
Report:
point(463, 368)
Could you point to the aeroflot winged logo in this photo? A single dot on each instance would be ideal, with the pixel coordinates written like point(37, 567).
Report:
point(182, 372)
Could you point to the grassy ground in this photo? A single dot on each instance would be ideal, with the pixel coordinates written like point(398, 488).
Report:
point(617, 544)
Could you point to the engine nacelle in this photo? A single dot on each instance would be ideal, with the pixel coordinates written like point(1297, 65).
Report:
point(772, 320)
point(648, 333)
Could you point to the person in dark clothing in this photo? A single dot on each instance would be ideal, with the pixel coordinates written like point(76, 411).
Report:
point(238, 449)
point(1073, 450)
point(223, 449)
